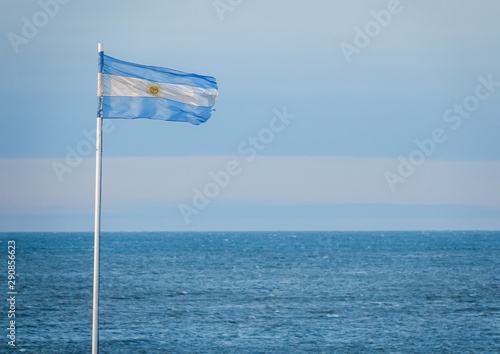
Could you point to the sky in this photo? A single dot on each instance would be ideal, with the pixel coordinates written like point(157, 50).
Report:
point(331, 115)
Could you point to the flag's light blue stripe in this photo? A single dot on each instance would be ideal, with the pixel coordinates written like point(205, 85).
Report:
point(118, 67)
point(153, 108)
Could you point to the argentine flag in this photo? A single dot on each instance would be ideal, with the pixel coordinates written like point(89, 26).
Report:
point(131, 91)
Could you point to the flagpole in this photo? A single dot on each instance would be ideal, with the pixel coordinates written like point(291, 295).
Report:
point(97, 226)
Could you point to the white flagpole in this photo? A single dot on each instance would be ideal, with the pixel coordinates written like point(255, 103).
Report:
point(97, 228)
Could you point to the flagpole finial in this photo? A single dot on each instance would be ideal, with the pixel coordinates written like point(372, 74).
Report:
point(99, 47)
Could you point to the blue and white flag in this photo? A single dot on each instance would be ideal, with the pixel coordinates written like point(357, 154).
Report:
point(131, 91)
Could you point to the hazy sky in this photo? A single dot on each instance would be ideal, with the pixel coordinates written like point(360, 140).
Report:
point(331, 115)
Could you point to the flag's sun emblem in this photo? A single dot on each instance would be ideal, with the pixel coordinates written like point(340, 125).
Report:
point(154, 89)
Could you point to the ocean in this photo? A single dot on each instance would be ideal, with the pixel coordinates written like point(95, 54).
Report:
point(255, 292)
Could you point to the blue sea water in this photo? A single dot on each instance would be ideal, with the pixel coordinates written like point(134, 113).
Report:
point(258, 292)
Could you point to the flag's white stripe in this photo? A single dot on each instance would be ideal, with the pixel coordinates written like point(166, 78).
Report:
point(124, 86)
